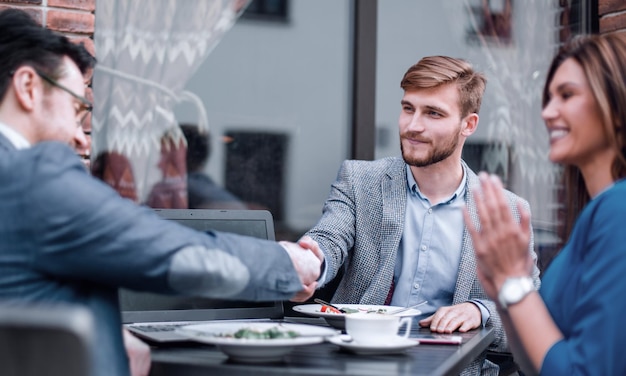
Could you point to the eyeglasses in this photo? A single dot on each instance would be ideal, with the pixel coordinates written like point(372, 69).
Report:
point(84, 105)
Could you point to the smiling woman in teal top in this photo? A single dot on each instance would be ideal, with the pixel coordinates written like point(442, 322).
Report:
point(575, 325)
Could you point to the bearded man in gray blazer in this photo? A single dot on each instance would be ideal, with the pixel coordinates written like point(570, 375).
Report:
point(396, 226)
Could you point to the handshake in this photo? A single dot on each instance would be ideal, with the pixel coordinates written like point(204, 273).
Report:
point(307, 259)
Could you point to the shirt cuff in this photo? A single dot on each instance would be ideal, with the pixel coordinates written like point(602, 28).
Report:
point(321, 281)
point(484, 312)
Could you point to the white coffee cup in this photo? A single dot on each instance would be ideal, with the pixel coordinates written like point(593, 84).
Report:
point(375, 328)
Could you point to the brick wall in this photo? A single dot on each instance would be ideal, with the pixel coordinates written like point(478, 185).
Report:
point(612, 14)
point(75, 18)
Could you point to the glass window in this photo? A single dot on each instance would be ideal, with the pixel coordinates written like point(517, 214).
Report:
point(271, 101)
point(513, 43)
point(274, 10)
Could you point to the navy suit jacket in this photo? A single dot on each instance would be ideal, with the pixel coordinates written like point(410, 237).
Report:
point(66, 237)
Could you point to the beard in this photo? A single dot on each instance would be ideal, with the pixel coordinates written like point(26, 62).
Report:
point(436, 153)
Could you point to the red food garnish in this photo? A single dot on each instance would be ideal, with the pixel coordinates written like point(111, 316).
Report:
point(329, 309)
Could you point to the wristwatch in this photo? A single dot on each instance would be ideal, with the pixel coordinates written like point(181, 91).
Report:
point(514, 290)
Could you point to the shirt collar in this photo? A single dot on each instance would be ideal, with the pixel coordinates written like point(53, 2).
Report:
point(14, 137)
point(414, 189)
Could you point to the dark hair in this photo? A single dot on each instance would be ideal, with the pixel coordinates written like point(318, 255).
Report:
point(601, 58)
point(24, 42)
point(198, 146)
point(435, 71)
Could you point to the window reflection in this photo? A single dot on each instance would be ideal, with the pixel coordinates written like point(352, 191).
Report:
point(278, 107)
point(203, 191)
point(512, 42)
point(270, 10)
point(273, 98)
point(492, 21)
point(146, 53)
point(170, 192)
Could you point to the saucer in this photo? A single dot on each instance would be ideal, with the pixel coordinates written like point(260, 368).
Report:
point(398, 345)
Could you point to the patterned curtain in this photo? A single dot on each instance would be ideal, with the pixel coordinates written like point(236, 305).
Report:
point(147, 51)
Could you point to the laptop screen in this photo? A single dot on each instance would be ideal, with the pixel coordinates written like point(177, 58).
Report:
point(150, 307)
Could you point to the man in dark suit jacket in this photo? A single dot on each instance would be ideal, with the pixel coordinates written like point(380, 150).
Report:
point(66, 237)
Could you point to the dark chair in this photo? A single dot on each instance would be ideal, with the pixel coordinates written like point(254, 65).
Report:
point(506, 363)
point(38, 340)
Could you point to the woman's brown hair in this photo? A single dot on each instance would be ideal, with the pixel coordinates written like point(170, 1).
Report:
point(603, 60)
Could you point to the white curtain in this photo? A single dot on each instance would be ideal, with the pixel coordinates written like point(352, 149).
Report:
point(147, 51)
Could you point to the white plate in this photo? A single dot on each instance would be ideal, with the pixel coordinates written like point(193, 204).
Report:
point(337, 320)
point(255, 350)
point(315, 309)
point(398, 345)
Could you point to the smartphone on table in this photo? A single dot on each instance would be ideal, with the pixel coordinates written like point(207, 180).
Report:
point(439, 339)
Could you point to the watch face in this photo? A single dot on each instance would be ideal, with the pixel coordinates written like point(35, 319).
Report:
point(514, 289)
point(513, 292)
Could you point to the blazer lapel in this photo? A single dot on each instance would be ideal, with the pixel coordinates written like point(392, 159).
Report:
point(393, 190)
point(467, 266)
point(394, 208)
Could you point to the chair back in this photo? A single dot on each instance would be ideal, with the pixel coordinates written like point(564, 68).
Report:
point(38, 340)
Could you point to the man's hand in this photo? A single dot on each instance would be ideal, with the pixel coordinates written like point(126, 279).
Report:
point(304, 294)
point(464, 317)
point(308, 244)
point(307, 260)
point(138, 354)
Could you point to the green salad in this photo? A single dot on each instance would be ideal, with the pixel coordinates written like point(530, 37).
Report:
point(271, 333)
point(350, 310)
point(379, 310)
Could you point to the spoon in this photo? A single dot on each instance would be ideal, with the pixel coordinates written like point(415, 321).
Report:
point(323, 302)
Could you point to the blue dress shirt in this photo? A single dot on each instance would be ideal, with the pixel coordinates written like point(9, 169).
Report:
point(430, 250)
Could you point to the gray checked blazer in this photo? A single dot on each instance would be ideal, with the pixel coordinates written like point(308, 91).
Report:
point(361, 227)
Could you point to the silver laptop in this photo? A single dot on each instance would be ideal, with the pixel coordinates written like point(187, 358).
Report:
point(155, 317)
